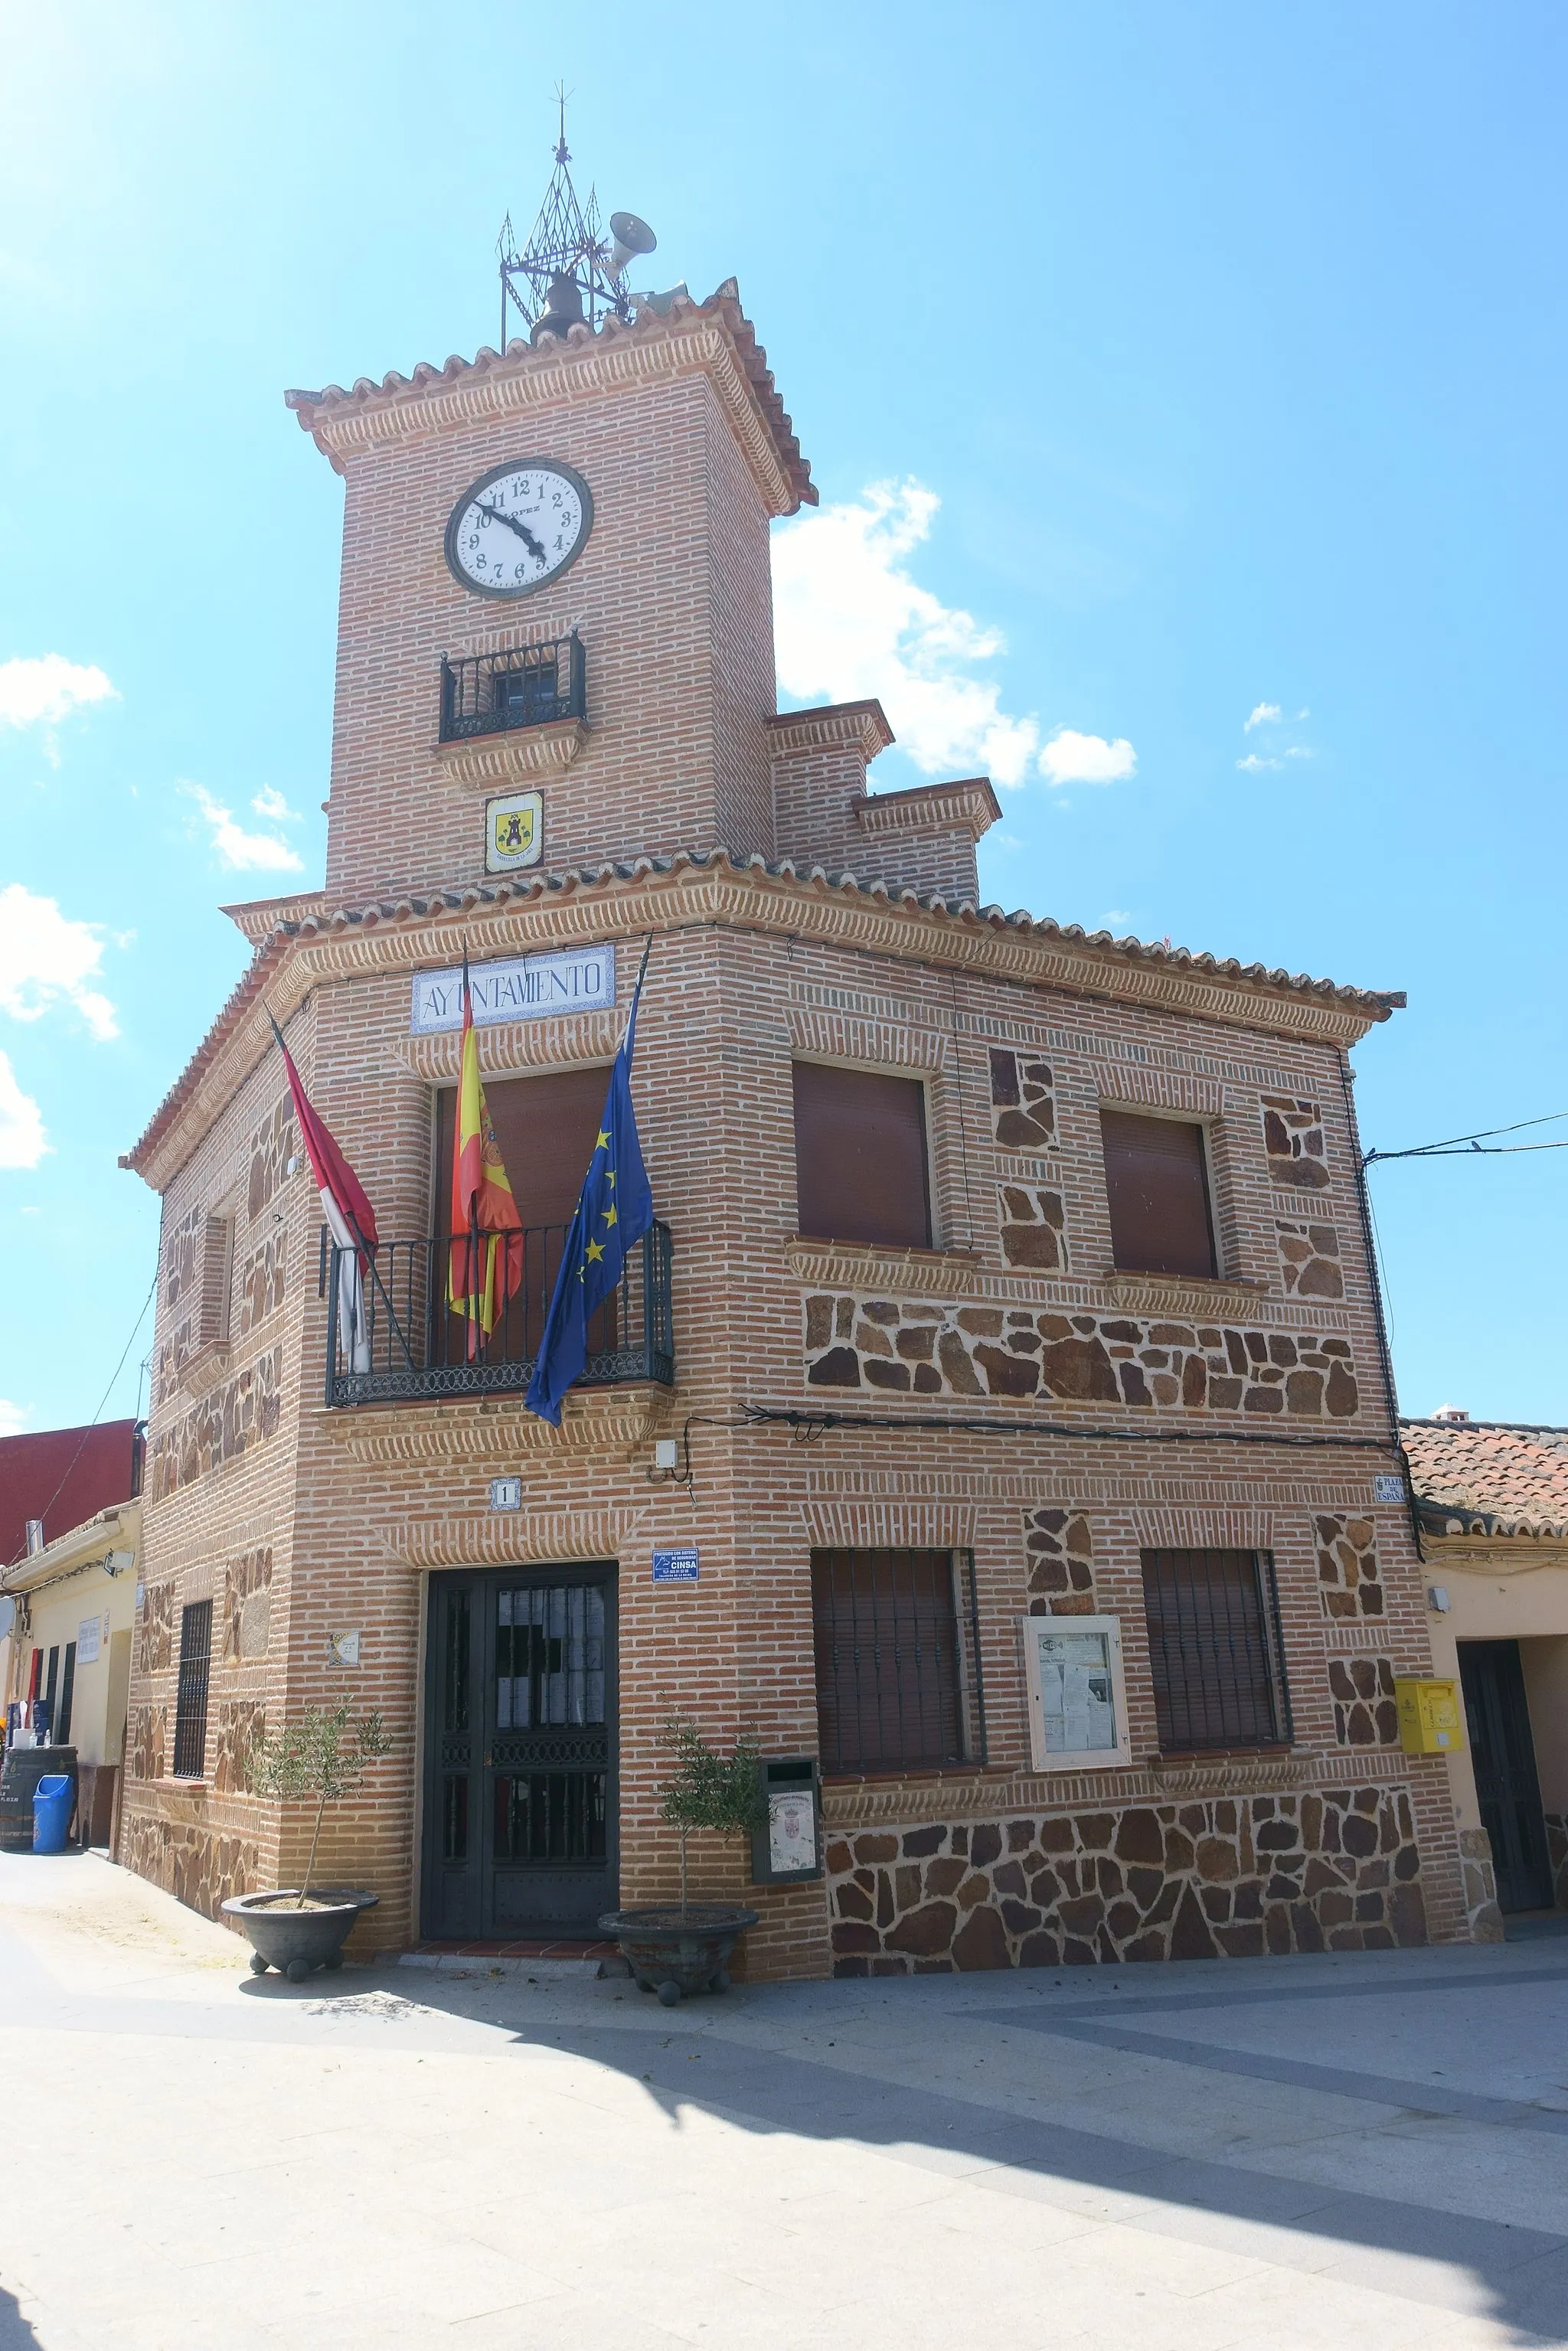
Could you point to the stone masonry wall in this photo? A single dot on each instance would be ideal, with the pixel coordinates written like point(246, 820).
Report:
point(910, 1347)
point(1336, 1869)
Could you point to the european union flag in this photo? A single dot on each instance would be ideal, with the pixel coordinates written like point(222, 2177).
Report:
point(615, 1209)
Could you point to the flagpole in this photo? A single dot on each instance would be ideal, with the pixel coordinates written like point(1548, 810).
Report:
point(368, 1253)
point(471, 1243)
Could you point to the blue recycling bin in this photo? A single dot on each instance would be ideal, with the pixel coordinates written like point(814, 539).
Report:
point(51, 1812)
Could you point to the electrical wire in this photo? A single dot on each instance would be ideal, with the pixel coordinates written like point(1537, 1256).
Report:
point(1462, 1146)
point(92, 1423)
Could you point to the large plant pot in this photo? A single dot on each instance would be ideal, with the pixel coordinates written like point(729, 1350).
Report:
point(297, 1942)
point(676, 1953)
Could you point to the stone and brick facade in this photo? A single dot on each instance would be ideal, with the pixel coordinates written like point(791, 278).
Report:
point(1004, 1394)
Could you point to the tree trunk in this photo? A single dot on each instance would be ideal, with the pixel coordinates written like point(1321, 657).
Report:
point(310, 1864)
point(683, 1836)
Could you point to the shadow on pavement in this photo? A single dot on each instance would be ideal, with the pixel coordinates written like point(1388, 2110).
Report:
point(15, 2335)
point(1370, 2239)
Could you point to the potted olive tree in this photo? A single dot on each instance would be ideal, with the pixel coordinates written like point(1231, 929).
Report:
point(676, 1951)
point(320, 1754)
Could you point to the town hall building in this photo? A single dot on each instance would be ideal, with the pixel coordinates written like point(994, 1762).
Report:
point(996, 1425)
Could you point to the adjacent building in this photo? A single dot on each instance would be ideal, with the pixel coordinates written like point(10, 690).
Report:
point(69, 1537)
point(1492, 1506)
point(75, 1602)
point(997, 1421)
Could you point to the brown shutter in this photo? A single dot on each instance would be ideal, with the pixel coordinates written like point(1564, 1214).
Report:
point(546, 1127)
point(1154, 1175)
point(860, 1157)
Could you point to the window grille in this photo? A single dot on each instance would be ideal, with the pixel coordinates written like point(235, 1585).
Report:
point(1215, 1649)
point(897, 1654)
point(191, 1703)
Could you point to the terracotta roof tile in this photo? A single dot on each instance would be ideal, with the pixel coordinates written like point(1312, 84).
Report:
point(421, 905)
point(725, 304)
point(1488, 1477)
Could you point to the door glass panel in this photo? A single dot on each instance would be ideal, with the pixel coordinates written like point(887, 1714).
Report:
point(455, 1696)
point(549, 1816)
point(549, 1656)
point(454, 1816)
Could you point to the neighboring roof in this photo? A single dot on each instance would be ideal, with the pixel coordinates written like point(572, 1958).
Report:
point(1488, 1477)
point(318, 410)
point(64, 1475)
point(117, 1528)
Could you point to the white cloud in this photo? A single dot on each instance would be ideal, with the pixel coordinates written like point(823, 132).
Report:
point(244, 851)
point(1266, 714)
point(1253, 766)
point(41, 693)
point(850, 622)
point(14, 1417)
point(46, 958)
point(1115, 916)
point(1072, 758)
point(23, 1143)
point(269, 802)
point(1299, 751)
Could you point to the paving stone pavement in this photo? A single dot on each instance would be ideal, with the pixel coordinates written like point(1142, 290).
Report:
point(1306, 2152)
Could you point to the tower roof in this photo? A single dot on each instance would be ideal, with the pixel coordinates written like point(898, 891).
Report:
point(716, 334)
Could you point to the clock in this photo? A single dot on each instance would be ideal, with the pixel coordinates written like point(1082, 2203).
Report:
point(518, 525)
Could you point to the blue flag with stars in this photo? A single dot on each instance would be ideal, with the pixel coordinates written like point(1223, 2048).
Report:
point(615, 1209)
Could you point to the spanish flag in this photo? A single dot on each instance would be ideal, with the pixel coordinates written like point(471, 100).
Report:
point(485, 1261)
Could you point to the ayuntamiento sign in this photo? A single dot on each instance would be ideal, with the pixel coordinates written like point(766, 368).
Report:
point(524, 987)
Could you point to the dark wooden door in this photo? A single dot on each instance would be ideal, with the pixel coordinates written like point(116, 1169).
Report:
point(520, 1811)
point(1502, 1753)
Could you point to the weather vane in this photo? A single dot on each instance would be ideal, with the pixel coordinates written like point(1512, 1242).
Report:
point(570, 271)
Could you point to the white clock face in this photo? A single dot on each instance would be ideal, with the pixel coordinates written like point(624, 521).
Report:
point(518, 527)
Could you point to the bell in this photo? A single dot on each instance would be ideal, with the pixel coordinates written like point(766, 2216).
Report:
point(562, 310)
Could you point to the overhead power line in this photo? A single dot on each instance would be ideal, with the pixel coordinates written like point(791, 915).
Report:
point(1477, 1145)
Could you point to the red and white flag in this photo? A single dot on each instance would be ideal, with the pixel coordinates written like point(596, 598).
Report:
point(350, 1218)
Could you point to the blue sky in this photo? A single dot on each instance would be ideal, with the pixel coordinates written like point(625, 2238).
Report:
point(1156, 365)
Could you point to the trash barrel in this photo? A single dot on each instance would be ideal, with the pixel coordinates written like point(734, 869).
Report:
point(24, 1768)
point(52, 1801)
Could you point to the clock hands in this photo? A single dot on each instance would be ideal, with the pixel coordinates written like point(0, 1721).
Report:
point(524, 533)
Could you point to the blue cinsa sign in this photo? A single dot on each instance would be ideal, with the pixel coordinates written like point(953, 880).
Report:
point(675, 1567)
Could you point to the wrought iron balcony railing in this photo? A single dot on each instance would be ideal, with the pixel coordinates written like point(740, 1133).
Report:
point(415, 1348)
point(528, 686)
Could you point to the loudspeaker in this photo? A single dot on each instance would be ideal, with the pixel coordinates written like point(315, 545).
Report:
point(632, 237)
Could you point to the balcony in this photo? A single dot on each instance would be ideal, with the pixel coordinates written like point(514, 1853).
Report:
point(513, 715)
point(418, 1350)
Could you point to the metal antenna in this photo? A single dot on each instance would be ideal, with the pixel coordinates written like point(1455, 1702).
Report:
point(566, 241)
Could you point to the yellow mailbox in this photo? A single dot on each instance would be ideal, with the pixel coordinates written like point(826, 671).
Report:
point(1429, 1720)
